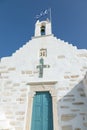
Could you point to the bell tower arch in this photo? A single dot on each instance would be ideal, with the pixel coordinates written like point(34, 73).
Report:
point(43, 28)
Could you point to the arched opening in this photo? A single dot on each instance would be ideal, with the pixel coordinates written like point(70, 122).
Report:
point(42, 30)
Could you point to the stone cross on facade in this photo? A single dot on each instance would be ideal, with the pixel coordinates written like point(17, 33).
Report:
point(41, 67)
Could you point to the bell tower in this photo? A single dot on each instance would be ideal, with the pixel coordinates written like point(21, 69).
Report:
point(43, 28)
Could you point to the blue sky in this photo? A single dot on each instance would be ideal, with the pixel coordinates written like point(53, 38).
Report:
point(17, 21)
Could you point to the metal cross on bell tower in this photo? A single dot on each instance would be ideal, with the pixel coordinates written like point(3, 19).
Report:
point(41, 66)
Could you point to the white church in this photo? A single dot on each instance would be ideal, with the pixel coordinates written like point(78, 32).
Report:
point(43, 85)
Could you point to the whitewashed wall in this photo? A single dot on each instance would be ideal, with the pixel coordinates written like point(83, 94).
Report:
point(68, 65)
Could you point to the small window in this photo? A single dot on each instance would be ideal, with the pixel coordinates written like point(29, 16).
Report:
point(42, 30)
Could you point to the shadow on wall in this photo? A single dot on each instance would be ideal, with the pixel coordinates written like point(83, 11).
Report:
point(85, 83)
point(72, 109)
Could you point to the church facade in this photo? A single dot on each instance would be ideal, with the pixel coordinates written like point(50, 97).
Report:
point(43, 85)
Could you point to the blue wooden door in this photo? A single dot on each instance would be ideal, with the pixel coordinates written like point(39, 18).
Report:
point(42, 117)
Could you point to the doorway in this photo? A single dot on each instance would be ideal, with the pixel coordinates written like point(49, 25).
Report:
point(42, 113)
